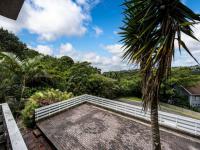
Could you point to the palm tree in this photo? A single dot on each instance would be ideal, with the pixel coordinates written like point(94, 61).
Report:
point(150, 30)
point(25, 70)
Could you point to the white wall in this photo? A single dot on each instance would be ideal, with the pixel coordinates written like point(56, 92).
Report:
point(194, 101)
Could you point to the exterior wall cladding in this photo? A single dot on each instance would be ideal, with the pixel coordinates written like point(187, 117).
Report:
point(194, 101)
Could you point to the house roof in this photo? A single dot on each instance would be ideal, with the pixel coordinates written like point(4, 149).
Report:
point(193, 90)
point(10, 8)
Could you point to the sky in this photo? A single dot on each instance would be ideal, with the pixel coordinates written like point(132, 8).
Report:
point(86, 30)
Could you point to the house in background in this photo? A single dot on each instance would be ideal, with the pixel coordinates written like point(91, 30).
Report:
point(196, 69)
point(193, 93)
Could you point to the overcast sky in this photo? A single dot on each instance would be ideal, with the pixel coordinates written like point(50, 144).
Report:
point(85, 30)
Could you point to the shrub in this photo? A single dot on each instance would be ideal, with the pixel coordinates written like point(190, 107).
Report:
point(78, 76)
point(130, 87)
point(103, 86)
point(40, 99)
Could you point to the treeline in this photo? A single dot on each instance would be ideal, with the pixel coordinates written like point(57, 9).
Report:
point(130, 83)
point(25, 71)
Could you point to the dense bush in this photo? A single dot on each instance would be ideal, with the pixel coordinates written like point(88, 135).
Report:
point(40, 99)
point(197, 109)
point(102, 86)
point(129, 82)
point(78, 77)
point(65, 63)
point(130, 87)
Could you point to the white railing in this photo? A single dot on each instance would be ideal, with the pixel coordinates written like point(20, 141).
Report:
point(178, 122)
point(16, 140)
point(49, 110)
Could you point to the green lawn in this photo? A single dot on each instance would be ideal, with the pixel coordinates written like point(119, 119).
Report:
point(169, 108)
point(136, 99)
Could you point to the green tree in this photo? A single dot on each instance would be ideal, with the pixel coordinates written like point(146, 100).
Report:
point(149, 33)
point(6, 78)
point(24, 70)
point(10, 43)
point(103, 86)
point(130, 87)
point(77, 77)
point(180, 76)
point(65, 63)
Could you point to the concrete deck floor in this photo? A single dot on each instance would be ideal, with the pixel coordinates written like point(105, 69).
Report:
point(88, 127)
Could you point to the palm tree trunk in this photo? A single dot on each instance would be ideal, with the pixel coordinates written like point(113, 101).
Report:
point(155, 126)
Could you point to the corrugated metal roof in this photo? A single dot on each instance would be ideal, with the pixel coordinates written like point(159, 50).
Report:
point(193, 90)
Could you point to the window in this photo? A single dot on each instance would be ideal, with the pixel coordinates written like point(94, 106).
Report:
point(197, 98)
point(193, 98)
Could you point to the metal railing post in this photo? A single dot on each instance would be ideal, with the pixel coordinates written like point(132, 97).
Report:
point(176, 122)
point(48, 111)
point(59, 107)
point(195, 128)
point(160, 116)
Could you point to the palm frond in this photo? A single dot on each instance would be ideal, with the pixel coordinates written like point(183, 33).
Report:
point(148, 35)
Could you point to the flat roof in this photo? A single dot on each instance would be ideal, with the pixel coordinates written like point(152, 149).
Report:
point(90, 127)
point(10, 8)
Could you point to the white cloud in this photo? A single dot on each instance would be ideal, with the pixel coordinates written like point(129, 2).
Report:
point(98, 31)
point(87, 5)
point(66, 49)
point(9, 24)
point(114, 60)
point(44, 49)
point(115, 49)
point(184, 59)
point(51, 19)
point(106, 63)
point(81, 2)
